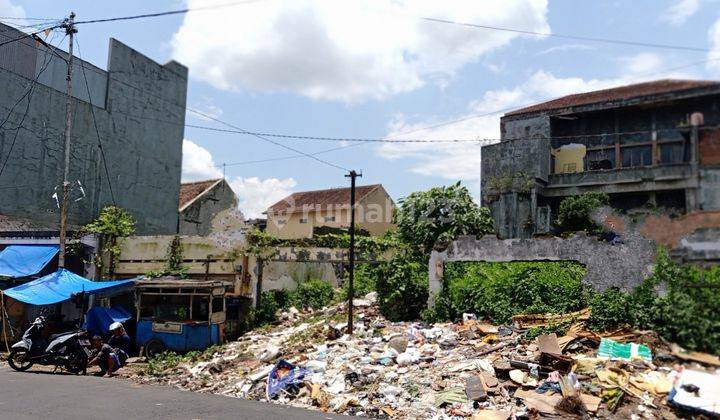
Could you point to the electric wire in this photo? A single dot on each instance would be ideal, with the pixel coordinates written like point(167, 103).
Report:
point(325, 162)
point(97, 131)
point(248, 162)
point(166, 13)
point(573, 37)
point(31, 89)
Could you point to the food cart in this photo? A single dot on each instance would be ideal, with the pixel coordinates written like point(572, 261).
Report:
point(179, 314)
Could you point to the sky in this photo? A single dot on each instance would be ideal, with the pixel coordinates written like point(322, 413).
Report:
point(377, 69)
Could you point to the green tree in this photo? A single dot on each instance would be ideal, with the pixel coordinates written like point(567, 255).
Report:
point(440, 214)
point(113, 223)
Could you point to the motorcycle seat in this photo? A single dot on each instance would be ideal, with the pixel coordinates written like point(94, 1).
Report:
point(54, 336)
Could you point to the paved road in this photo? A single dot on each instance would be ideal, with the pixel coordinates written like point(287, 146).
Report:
point(41, 395)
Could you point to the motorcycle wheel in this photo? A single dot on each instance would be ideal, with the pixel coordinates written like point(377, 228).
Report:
point(78, 362)
point(19, 360)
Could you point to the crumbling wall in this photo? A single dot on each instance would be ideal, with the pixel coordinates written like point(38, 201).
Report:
point(624, 266)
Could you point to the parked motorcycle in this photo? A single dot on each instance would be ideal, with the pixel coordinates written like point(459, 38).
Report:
point(69, 350)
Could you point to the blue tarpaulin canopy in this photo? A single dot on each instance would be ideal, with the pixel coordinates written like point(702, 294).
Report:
point(60, 286)
point(98, 318)
point(25, 260)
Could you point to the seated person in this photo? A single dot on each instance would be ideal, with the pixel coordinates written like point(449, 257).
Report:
point(105, 357)
point(119, 341)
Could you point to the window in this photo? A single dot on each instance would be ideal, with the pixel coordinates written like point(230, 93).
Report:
point(636, 156)
point(329, 218)
point(281, 222)
point(303, 220)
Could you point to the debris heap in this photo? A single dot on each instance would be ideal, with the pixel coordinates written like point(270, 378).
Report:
point(467, 369)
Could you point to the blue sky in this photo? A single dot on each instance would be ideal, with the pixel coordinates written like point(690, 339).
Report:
point(375, 69)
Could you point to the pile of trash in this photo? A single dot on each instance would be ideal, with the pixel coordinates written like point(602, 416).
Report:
point(471, 369)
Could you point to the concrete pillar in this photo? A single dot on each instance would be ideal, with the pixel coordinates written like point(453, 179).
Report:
point(435, 276)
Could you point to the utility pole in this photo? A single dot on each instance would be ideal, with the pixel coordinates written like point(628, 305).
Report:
point(70, 30)
point(351, 291)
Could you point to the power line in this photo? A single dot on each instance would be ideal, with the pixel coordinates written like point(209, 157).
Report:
point(574, 37)
point(97, 131)
point(334, 139)
point(28, 35)
point(29, 94)
point(248, 162)
point(166, 13)
point(325, 162)
point(27, 18)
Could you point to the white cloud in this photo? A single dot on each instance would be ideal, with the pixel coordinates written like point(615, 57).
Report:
point(198, 163)
point(714, 54)
point(680, 12)
point(642, 63)
point(566, 48)
point(255, 195)
point(7, 8)
point(462, 161)
point(347, 51)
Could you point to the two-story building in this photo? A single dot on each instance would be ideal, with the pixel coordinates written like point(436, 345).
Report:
point(301, 214)
point(653, 145)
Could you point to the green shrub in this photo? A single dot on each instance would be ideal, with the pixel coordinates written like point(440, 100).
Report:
point(497, 291)
point(271, 302)
point(611, 310)
point(687, 311)
point(575, 212)
point(402, 286)
point(363, 281)
point(314, 294)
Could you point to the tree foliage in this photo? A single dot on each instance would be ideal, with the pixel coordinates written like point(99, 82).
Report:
point(113, 223)
point(174, 258)
point(440, 214)
point(576, 212)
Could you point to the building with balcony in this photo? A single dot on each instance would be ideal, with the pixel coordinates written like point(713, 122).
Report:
point(649, 146)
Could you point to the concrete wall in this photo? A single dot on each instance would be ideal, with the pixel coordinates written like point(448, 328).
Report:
point(709, 191)
point(529, 157)
point(139, 107)
point(196, 218)
point(624, 266)
point(525, 127)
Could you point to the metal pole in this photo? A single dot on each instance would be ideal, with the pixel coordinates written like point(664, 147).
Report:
point(351, 275)
point(70, 30)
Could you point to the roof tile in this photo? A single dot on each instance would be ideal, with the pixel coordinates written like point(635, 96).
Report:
point(617, 93)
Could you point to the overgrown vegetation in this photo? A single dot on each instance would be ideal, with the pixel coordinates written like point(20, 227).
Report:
point(114, 224)
point(402, 287)
point(174, 261)
point(315, 294)
point(165, 362)
point(519, 182)
point(364, 282)
point(686, 311)
point(312, 294)
point(497, 291)
point(575, 212)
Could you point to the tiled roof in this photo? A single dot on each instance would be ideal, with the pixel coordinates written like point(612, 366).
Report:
point(190, 190)
point(618, 93)
point(320, 199)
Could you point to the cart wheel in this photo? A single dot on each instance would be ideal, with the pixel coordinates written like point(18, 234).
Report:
point(153, 348)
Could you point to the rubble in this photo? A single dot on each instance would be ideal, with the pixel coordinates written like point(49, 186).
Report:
point(472, 369)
